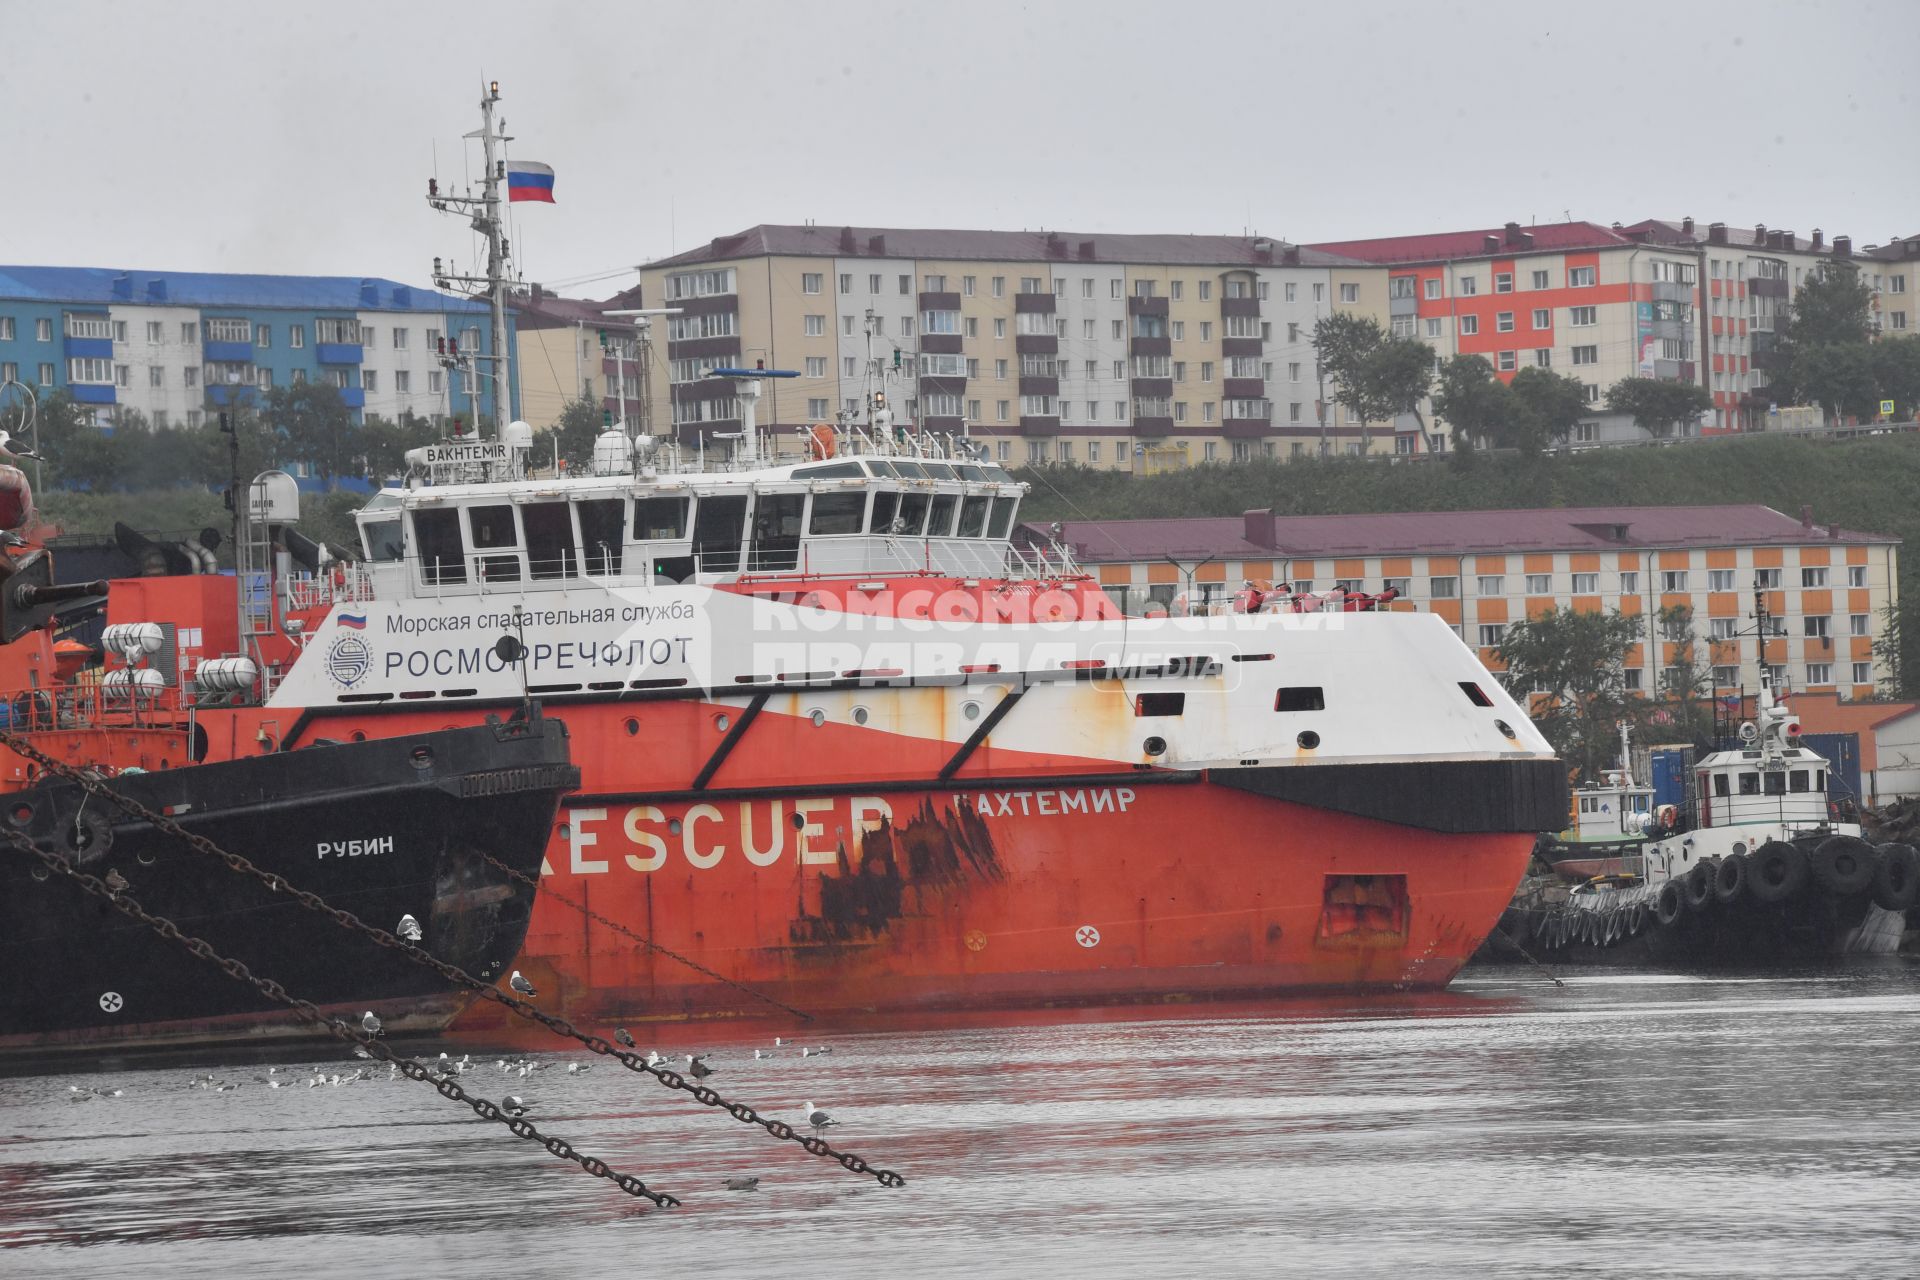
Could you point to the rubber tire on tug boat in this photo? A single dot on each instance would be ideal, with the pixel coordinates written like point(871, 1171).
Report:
point(1730, 879)
point(1896, 881)
point(1670, 904)
point(1777, 871)
point(1844, 865)
point(1699, 886)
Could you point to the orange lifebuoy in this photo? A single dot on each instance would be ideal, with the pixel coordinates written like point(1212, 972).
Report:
point(821, 443)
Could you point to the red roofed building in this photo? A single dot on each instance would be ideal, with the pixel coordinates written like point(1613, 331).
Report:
point(1825, 588)
point(1574, 297)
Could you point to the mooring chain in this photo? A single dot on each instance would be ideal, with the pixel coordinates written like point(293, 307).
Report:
point(459, 977)
point(642, 939)
point(306, 1009)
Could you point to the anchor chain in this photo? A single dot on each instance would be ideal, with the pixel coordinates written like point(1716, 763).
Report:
point(311, 1012)
point(459, 977)
point(644, 941)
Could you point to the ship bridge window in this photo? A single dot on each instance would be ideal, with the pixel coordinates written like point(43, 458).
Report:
point(998, 473)
point(603, 531)
point(973, 517)
point(881, 467)
point(1776, 784)
point(549, 527)
point(941, 523)
point(1001, 522)
point(382, 539)
point(1306, 697)
point(437, 534)
point(776, 531)
point(830, 471)
point(938, 471)
point(901, 514)
point(717, 531)
point(969, 472)
point(1797, 780)
point(1475, 694)
point(909, 470)
point(1749, 784)
point(837, 513)
point(1160, 704)
point(1722, 785)
point(664, 519)
point(493, 530)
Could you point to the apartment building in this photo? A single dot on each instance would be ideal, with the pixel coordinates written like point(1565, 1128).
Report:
point(1131, 352)
point(1825, 588)
point(1574, 297)
point(572, 349)
point(175, 345)
point(1893, 269)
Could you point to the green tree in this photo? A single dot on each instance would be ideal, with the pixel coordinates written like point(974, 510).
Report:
point(1572, 666)
point(1684, 711)
point(1824, 355)
point(581, 422)
point(1896, 374)
point(318, 427)
point(1659, 407)
point(1890, 648)
point(1472, 401)
point(385, 442)
point(1375, 376)
point(1543, 408)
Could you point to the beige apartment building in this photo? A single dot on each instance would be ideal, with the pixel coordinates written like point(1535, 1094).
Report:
point(1826, 589)
point(1129, 352)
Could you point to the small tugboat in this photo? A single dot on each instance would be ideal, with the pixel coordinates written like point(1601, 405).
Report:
point(1609, 824)
point(1756, 867)
point(396, 831)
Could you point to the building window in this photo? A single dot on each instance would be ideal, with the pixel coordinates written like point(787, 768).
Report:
point(1766, 579)
point(846, 282)
point(1291, 292)
point(1814, 626)
point(1579, 277)
point(43, 329)
point(1179, 328)
point(402, 382)
point(1319, 293)
point(1719, 579)
point(1819, 673)
point(1542, 318)
point(1503, 322)
point(1813, 576)
point(1491, 634)
point(1583, 317)
point(297, 336)
point(1586, 584)
point(1503, 282)
point(1726, 677)
point(1858, 624)
point(435, 383)
point(934, 284)
point(1673, 580)
point(1539, 584)
point(1635, 679)
point(998, 285)
point(1467, 286)
point(1349, 293)
point(1543, 357)
point(1443, 588)
point(369, 379)
point(1469, 325)
point(46, 375)
point(906, 284)
point(1000, 410)
point(1507, 364)
point(816, 326)
point(816, 366)
point(1863, 673)
point(1433, 326)
point(156, 376)
point(1586, 355)
point(1433, 288)
point(1000, 326)
point(1490, 584)
point(1174, 288)
point(1179, 370)
point(87, 371)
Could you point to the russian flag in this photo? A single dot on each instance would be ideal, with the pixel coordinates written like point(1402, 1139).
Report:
point(529, 181)
point(353, 621)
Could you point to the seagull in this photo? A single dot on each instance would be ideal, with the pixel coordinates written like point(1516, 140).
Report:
point(409, 928)
point(273, 1084)
point(813, 1053)
point(653, 1058)
point(9, 454)
point(519, 983)
point(625, 1037)
point(778, 1041)
point(819, 1119)
point(698, 1069)
point(513, 1106)
point(742, 1184)
point(369, 1023)
point(761, 1053)
point(574, 1066)
point(116, 881)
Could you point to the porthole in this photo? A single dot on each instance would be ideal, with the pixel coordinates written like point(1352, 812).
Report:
point(21, 813)
point(721, 722)
point(1154, 746)
point(970, 710)
point(861, 715)
point(1308, 740)
point(799, 820)
point(144, 857)
point(1506, 730)
point(566, 831)
point(673, 826)
point(359, 735)
point(818, 717)
point(633, 727)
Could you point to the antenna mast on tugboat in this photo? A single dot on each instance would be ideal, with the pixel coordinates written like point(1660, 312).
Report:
point(484, 212)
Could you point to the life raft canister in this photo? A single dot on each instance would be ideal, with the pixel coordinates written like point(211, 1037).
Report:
point(821, 444)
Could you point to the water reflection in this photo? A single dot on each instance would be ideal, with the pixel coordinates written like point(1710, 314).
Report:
point(1619, 1125)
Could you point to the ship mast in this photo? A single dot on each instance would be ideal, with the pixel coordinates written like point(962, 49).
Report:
point(483, 211)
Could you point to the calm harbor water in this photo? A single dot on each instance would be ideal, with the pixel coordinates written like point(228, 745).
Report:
point(1628, 1124)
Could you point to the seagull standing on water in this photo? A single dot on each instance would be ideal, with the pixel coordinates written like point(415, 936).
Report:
point(819, 1119)
point(519, 983)
point(697, 1068)
point(513, 1106)
point(625, 1037)
point(409, 928)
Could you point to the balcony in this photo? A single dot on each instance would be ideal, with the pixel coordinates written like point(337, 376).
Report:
point(1153, 388)
point(714, 349)
point(1036, 344)
point(932, 386)
point(1039, 386)
point(940, 344)
point(1152, 426)
point(1139, 306)
point(1239, 307)
point(1767, 287)
point(939, 302)
point(1245, 428)
point(1675, 371)
point(91, 393)
point(1032, 425)
point(1244, 388)
point(227, 352)
point(336, 352)
point(1231, 347)
point(353, 397)
point(1033, 304)
point(1672, 291)
point(1151, 347)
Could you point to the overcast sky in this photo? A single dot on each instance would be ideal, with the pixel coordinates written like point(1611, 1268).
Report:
point(262, 137)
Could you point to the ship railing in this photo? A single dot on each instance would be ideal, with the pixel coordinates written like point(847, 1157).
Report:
point(341, 583)
point(91, 704)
